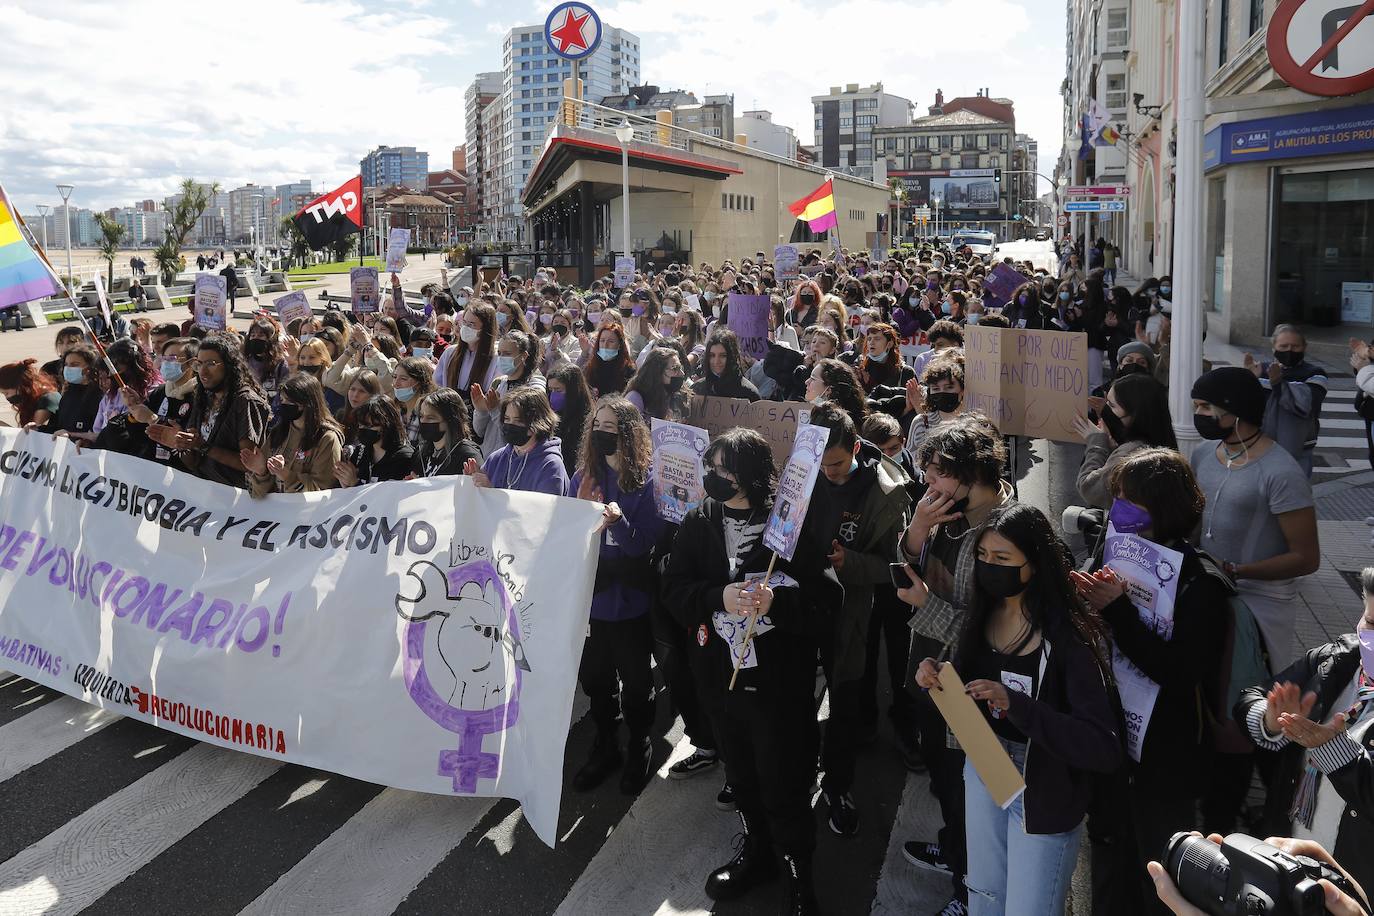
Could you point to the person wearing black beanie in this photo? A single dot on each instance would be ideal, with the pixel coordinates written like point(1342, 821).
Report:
point(1260, 525)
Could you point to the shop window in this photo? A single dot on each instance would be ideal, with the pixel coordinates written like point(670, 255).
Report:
point(1215, 268)
point(1324, 249)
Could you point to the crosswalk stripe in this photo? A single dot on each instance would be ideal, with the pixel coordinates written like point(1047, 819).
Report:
point(19, 697)
point(46, 731)
point(372, 862)
point(73, 866)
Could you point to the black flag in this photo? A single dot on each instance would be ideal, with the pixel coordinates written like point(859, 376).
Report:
point(333, 216)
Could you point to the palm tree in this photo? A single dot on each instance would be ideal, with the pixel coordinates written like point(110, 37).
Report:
point(194, 201)
point(296, 242)
point(111, 234)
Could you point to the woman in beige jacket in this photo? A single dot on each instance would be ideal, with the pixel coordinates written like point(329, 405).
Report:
point(302, 447)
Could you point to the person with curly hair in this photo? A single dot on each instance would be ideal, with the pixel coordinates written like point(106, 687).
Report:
point(833, 380)
point(616, 671)
point(30, 392)
point(446, 433)
point(229, 413)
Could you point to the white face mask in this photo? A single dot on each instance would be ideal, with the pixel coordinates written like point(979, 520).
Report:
point(462, 300)
point(469, 335)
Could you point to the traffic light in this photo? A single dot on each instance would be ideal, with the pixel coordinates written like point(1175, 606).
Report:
point(997, 176)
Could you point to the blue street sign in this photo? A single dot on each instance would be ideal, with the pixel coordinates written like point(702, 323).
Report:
point(573, 31)
point(1095, 206)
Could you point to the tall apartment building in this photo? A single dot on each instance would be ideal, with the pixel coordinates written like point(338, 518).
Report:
point(394, 166)
point(248, 211)
point(291, 197)
point(845, 119)
point(764, 134)
point(715, 117)
point(483, 90)
point(514, 123)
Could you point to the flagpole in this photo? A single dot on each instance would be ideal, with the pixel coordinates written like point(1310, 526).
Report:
point(43, 256)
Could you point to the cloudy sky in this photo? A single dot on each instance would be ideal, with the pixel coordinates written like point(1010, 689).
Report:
point(124, 99)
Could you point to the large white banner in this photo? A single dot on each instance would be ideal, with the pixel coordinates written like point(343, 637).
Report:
point(421, 634)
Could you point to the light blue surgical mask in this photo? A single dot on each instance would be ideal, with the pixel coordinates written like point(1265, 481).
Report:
point(972, 318)
point(405, 394)
point(1064, 297)
point(306, 338)
point(422, 352)
point(171, 370)
point(945, 308)
point(502, 319)
point(74, 375)
point(608, 353)
point(505, 365)
point(878, 357)
point(853, 465)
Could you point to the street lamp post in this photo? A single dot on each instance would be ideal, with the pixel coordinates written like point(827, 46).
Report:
point(43, 210)
point(66, 191)
point(625, 133)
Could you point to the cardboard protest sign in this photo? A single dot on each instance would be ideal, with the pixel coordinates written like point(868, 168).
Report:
point(777, 421)
point(212, 306)
point(786, 262)
point(678, 474)
point(431, 644)
point(364, 288)
point(979, 742)
point(292, 306)
point(397, 241)
point(104, 301)
point(1002, 281)
point(624, 272)
point(794, 490)
point(1029, 383)
point(748, 318)
point(1151, 573)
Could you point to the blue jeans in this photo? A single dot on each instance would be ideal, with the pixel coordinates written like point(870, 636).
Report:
point(1011, 872)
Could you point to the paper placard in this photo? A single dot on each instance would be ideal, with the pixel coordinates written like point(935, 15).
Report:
point(1029, 383)
point(1002, 281)
point(624, 272)
point(292, 306)
point(979, 742)
point(678, 474)
point(795, 482)
point(364, 288)
point(397, 241)
point(748, 318)
point(776, 420)
point(104, 302)
point(786, 262)
point(212, 307)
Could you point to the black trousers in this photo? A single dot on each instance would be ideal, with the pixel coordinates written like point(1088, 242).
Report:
point(1128, 828)
point(946, 767)
point(840, 750)
point(616, 675)
point(887, 625)
point(671, 645)
point(768, 743)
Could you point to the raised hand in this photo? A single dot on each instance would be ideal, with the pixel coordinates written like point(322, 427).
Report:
point(479, 477)
point(254, 460)
point(1286, 699)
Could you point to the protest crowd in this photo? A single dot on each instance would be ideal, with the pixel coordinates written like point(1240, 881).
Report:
point(914, 558)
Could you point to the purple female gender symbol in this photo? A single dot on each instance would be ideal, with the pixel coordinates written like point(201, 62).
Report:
point(469, 762)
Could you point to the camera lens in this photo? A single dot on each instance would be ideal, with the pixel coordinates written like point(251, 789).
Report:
point(1199, 870)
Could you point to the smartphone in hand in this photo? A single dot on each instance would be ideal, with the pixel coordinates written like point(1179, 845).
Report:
point(900, 578)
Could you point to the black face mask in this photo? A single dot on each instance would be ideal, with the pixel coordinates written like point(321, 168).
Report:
point(1288, 358)
point(1209, 427)
point(673, 384)
point(515, 434)
point(718, 488)
point(943, 401)
point(998, 581)
point(1129, 369)
point(1116, 428)
point(560, 329)
point(605, 442)
point(807, 299)
point(369, 437)
point(316, 371)
point(431, 431)
point(288, 412)
point(256, 348)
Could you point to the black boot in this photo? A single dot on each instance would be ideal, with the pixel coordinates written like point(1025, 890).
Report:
point(639, 765)
point(752, 865)
point(601, 762)
point(798, 891)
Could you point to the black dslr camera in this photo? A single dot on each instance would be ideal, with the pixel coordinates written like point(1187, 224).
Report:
point(1248, 877)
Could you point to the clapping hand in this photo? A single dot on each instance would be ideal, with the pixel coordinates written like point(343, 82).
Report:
point(276, 466)
point(254, 460)
point(1275, 373)
point(482, 399)
point(479, 477)
point(1086, 429)
point(346, 473)
point(1100, 588)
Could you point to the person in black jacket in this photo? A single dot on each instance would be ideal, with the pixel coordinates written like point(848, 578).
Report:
point(766, 726)
point(1317, 713)
point(1157, 498)
point(723, 375)
point(80, 400)
point(445, 435)
point(382, 452)
point(1032, 653)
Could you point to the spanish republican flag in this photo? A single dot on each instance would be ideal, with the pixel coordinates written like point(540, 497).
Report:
point(817, 208)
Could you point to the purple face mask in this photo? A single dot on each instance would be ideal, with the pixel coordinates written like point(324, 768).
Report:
point(556, 400)
point(1367, 652)
point(1128, 518)
point(637, 310)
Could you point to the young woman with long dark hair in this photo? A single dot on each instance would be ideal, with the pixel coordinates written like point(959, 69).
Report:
point(517, 365)
point(412, 379)
point(364, 386)
point(303, 445)
point(723, 374)
point(473, 358)
point(1134, 416)
point(609, 366)
point(382, 452)
point(1033, 654)
point(571, 400)
point(656, 389)
point(446, 436)
point(262, 350)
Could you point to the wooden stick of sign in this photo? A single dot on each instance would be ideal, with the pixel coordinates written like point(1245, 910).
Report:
point(753, 619)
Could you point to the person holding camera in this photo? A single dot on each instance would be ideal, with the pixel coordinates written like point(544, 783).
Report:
point(1317, 714)
point(1156, 498)
point(1034, 655)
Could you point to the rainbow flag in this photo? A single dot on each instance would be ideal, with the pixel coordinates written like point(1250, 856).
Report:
point(817, 208)
point(23, 275)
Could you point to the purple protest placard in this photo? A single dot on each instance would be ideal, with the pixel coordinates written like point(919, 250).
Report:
point(678, 449)
point(748, 318)
point(1002, 282)
point(794, 490)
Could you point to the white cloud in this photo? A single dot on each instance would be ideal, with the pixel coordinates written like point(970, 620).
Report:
point(125, 99)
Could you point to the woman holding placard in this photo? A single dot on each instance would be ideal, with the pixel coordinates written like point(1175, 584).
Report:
point(1156, 500)
point(1032, 654)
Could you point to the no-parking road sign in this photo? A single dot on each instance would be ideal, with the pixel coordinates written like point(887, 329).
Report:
point(1323, 47)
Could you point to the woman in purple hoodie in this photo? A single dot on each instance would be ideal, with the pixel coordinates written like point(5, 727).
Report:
point(616, 470)
point(531, 459)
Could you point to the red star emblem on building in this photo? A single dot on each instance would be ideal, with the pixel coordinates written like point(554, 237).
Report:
point(570, 33)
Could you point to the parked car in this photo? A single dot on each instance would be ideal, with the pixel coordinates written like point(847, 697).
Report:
point(981, 243)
